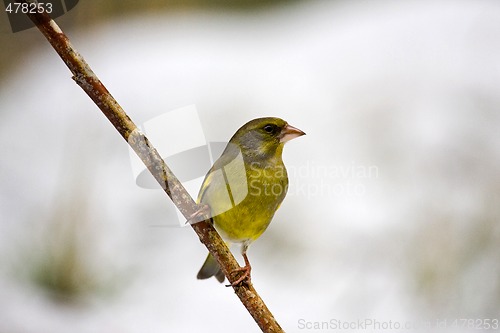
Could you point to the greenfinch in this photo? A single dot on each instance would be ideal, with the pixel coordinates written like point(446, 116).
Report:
point(245, 187)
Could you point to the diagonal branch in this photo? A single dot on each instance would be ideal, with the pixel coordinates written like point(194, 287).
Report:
point(90, 83)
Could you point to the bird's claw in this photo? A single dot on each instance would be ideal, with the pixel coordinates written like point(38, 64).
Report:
point(201, 214)
point(244, 277)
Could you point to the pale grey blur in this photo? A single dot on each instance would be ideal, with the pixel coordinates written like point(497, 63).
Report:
point(394, 201)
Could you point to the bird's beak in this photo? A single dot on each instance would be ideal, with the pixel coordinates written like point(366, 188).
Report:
point(289, 132)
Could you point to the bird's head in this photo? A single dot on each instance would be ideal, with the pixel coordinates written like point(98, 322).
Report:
point(263, 138)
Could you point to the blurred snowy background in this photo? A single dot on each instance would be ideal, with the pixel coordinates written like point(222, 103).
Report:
point(394, 206)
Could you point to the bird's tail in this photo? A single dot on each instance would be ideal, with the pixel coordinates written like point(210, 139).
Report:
point(210, 268)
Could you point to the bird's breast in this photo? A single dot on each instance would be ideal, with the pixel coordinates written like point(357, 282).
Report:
point(252, 199)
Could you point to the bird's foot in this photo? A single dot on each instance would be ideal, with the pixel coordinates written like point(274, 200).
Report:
point(202, 214)
point(244, 277)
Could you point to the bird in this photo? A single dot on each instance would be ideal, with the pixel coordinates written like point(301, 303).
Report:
point(245, 187)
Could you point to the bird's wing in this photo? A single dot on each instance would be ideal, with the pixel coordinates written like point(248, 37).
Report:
point(231, 152)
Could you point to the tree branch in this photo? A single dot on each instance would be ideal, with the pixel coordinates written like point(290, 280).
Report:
point(90, 83)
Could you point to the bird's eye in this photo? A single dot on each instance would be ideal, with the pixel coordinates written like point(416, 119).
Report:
point(270, 128)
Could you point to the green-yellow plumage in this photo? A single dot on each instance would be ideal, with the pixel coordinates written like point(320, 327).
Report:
point(246, 186)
